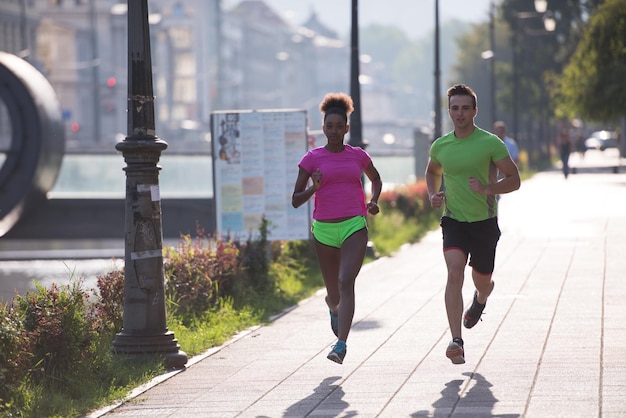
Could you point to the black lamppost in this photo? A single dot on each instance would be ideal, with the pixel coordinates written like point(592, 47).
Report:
point(489, 55)
point(437, 132)
point(144, 329)
point(356, 129)
point(492, 66)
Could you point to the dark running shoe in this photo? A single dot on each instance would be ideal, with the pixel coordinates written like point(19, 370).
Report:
point(455, 351)
point(334, 323)
point(338, 353)
point(473, 313)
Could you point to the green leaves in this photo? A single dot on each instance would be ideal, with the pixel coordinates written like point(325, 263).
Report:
point(593, 85)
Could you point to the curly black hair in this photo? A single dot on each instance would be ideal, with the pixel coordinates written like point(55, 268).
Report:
point(339, 103)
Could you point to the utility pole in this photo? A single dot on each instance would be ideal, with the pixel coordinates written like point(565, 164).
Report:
point(95, 72)
point(24, 49)
point(144, 331)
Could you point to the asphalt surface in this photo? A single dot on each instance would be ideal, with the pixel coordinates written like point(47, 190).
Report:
point(552, 342)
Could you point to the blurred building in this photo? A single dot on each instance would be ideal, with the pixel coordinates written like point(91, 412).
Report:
point(16, 28)
point(204, 58)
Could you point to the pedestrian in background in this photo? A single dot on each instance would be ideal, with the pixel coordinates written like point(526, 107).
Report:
point(499, 128)
point(579, 138)
point(467, 161)
point(339, 216)
point(564, 145)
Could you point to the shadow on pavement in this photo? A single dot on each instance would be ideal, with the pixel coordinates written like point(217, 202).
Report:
point(479, 396)
point(319, 395)
point(365, 325)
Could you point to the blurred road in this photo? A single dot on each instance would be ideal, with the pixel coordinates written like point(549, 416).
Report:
point(20, 276)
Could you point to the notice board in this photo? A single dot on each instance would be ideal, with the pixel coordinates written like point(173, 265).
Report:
point(255, 164)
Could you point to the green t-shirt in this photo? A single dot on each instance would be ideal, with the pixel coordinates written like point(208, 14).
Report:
point(464, 157)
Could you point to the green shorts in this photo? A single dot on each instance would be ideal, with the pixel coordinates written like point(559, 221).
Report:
point(334, 234)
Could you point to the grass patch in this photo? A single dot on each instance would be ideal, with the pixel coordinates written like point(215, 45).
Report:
point(390, 232)
point(295, 277)
point(214, 328)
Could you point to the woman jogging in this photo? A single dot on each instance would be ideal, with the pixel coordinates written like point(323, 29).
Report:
point(339, 226)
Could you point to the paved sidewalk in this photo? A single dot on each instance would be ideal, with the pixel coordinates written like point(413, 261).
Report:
point(552, 342)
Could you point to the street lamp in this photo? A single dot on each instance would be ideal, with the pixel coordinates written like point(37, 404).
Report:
point(490, 55)
point(356, 129)
point(541, 11)
point(144, 329)
point(541, 6)
point(437, 132)
point(549, 22)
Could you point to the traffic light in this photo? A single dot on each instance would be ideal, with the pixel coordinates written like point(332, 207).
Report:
point(108, 99)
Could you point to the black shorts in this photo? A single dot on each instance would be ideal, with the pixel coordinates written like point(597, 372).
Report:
point(476, 239)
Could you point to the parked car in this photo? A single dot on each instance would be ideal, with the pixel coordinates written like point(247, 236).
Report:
point(602, 140)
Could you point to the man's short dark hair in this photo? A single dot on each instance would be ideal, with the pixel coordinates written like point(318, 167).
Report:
point(462, 90)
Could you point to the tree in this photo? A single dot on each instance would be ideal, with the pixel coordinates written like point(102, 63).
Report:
point(538, 56)
point(383, 42)
point(406, 66)
point(592, 85)
point(528, 60)
point(474, 70)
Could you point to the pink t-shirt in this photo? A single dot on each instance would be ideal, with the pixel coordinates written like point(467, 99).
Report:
point(341, 192)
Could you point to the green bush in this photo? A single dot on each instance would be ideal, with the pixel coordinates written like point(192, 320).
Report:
point(405, 216)
point(109, 306)
point(15, 354)
point(255, 262)
point(410, 200)
point(201, 272)
point(197, 273)
point(58, 326)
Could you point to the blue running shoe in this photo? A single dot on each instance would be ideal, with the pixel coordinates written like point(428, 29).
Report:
point(338, 353)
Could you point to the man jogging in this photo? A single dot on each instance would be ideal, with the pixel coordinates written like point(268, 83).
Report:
point(468, 160)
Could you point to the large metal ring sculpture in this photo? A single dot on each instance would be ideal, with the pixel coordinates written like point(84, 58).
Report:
point(34, 157)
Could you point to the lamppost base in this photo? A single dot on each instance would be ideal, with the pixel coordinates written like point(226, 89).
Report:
point(149, 345)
